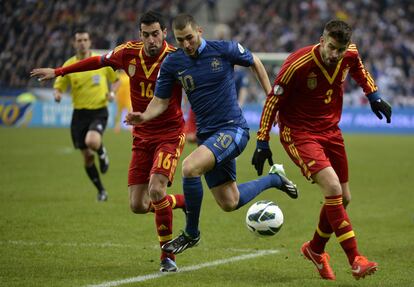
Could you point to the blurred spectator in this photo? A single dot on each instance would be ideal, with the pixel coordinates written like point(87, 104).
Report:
point(212, 10)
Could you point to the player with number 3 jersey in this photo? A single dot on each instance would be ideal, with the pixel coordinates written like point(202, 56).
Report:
point(306, 101)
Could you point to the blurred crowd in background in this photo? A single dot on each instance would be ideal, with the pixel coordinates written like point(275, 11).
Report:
point(38, 34)
point(383, 33)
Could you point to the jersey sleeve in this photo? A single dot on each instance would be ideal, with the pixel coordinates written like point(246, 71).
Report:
point(274, 100)
point(115, 57)
point(360, 74)
point(238, 54)
point(165, 79)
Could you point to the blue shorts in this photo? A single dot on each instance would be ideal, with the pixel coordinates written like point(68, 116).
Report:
point(226, 144)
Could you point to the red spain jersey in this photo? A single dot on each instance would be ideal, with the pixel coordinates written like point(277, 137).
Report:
point(308, 94)
point(142, 71)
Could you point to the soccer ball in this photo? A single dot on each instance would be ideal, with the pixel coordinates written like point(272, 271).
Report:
point(264, 218)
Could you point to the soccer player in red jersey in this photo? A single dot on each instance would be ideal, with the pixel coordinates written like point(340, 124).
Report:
point(306, 101)
point(190, 127)
point(156, 146)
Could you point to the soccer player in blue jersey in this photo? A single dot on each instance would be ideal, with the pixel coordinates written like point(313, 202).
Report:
point(205, 70)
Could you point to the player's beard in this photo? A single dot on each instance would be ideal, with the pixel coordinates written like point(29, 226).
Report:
point(332, 62)
point(329, 61)
point(154, 50)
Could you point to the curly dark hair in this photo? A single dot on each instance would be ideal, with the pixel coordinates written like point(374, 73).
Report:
point(339, 30)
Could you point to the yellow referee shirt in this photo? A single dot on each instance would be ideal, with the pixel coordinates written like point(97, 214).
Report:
point(88, 89)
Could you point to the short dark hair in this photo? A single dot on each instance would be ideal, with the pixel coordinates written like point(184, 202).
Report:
point(151, 17)
point(339, 30)
point(182, 20)
point(80, 30)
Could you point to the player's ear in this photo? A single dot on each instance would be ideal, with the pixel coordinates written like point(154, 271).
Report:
point(199, 30)
point(321, 40)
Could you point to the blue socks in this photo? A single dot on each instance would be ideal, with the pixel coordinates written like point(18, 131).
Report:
point(193, 193)
point(249, 190)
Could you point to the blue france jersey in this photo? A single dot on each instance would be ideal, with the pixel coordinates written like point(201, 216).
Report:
point(208, 81)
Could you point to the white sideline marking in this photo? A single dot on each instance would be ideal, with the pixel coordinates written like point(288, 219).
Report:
point(185, 269)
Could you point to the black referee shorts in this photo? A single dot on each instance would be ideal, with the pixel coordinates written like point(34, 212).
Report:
point(84, 120)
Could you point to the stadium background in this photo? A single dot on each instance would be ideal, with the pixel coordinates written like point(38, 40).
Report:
point(37, 34)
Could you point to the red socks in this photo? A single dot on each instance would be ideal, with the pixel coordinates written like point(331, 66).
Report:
point(163, 222)
point(333, 218)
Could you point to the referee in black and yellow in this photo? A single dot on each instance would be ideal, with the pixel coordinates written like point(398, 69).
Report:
point(90, 93)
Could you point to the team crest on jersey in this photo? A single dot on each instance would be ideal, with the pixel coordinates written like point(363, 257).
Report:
point(345, 73)
point(216, 65)
point(132, 67)
point(312, 81)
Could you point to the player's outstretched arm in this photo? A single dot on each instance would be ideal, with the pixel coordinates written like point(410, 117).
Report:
point(88, 64)
point(155, 108)
point(261, 74)
point(43, 74)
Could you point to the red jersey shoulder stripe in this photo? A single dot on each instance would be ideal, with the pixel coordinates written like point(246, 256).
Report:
point(294, 66)
point(129, 45)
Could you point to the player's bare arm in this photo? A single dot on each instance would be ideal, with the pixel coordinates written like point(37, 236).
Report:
point(155, 108)
point(261, 74)
point(43, 74)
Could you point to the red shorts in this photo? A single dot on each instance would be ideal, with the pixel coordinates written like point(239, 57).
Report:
point(159, 156)
point(313, 152)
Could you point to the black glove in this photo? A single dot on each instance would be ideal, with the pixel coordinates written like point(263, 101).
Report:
point(260, 155)
point(380, 107)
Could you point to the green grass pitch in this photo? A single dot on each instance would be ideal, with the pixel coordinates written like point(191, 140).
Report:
point(53, 232)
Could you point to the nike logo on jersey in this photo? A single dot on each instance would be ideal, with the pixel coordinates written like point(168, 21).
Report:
point(181, 72)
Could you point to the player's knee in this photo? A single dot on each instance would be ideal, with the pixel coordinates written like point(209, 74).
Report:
point(227, 205)
point(92, 143)
point(156, 192)
point(333, 189)
point(189, 169)
point(139, 207)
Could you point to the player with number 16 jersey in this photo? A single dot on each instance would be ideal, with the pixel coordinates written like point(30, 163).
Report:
point(142, 71)
point(157, 144)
